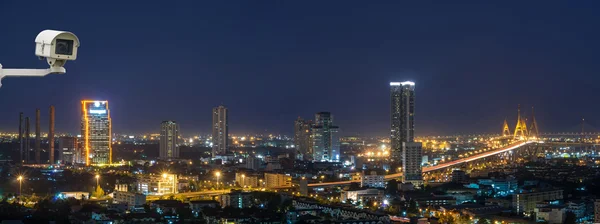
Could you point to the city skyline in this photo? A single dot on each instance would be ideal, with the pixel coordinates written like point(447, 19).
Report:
point(470, 81)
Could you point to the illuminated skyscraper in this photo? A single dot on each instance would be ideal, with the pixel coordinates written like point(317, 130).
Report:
point(404, 147)
point(96, 132)
point(220, 131)
point(402, 116)
point(169, 133)
point(325, 145)
point(302, 138)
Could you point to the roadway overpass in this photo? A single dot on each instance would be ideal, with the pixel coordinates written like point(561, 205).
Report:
point(507, 148)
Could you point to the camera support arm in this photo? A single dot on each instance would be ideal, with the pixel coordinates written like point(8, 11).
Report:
point(30, 72)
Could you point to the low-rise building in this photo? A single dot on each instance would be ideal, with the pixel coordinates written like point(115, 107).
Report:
point(577, 207)
point(373, 178)
point(79, 195)
point(435, 200)
point(553, 214)
point(158, 184)
point(459, 176)
point(247, 179)
point(130, 199)
point(236, 199)
point(362, 196)
point(276, 180)
point(197, 205)
point(526, 202)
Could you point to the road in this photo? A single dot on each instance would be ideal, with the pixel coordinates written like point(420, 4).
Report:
point(441, 165)
point(188, 194)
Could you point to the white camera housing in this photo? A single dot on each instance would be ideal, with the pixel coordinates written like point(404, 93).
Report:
point(57, 47)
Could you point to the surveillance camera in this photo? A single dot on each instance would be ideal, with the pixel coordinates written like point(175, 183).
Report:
point(57, 47)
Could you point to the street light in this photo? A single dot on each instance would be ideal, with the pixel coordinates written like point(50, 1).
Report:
point(97, 180)
point(218, 174)
point(20, 178)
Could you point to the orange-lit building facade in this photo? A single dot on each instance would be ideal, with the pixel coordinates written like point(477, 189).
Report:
point(96, 132)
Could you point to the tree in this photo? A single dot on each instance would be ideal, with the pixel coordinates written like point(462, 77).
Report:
point(483, 221)
point(99, 193)
point(392, 187)
point(571, 218)
point(412, 209)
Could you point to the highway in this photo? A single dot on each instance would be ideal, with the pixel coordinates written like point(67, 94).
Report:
point(441, 165)
point(188, 194)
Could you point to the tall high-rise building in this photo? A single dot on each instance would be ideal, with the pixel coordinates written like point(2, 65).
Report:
point(404, 149)
point(402, 116)
point(325, 146)
point(169, 133)
point(302, 138)
point(67, 150)
point(96, 132)
point(220, 131)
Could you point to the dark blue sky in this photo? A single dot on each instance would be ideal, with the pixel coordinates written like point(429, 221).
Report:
point(272, 62)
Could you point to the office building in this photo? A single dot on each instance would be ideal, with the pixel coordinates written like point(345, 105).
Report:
point(524, 203)
point(459, 176)
point(220, 130)
point(402, 116)
point(67, 150)
point(236, 199)
point(158, 184)
point(551, 214)
point(411, 164)
point(325, 145)
point(96, 132)
point(275, 180)
point(131, 199)
point(302, 138)
point(247, 179)
point(169, 134)
point(252, 163)
point(373, 179)
point(362, 196)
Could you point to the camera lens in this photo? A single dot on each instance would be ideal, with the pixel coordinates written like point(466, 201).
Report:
point(64, 47)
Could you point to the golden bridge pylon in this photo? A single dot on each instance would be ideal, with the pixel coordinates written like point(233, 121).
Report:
point(505, 129)
point(521, 128)
point(533, 129)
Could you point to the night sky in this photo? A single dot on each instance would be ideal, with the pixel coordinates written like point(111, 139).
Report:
point(272, 61)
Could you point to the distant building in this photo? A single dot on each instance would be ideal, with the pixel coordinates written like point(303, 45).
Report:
point(197, 205)
point(247, 180)
point(597, 211)
point(370, 195)
point(79, 195)
point(96, 132)
point(302, 138)
point(158, 184)
point(252, 163)
point(577, 208)
point(169, 134)
point(275, 180)
point(67, 150)
point(220, 131)
point(501, 185)
point(236, 199)
point(459, 176)
point(325, 144)
point(526, 202)
point(130, 198)
point(402, 116)
point(413, 173)
point(552, 214)
point(373, 179)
